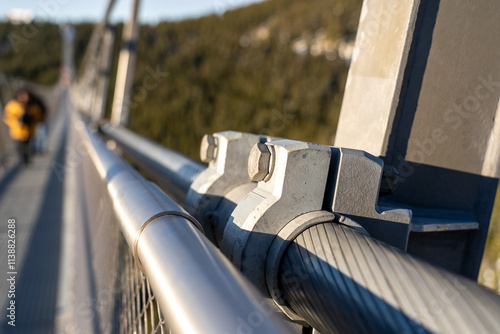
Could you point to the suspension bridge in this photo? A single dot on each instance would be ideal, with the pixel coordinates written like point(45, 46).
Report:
point(110, 232)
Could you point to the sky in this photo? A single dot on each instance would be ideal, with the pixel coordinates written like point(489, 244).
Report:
point(150, 11)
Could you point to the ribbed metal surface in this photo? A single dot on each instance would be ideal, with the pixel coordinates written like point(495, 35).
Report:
point(173, 171)
point(341, 281)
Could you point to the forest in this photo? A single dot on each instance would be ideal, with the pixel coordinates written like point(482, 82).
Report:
point(248, 70)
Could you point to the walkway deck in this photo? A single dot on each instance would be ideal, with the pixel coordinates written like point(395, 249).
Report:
point(33, 196)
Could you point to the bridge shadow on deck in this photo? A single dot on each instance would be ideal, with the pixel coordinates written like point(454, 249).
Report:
point(38, 275)
point(7, 179)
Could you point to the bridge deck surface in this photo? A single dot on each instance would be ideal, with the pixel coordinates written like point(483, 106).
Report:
point(33, 195)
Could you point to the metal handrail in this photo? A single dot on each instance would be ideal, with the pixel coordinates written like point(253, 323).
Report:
point(197, 288)
point(172, 171)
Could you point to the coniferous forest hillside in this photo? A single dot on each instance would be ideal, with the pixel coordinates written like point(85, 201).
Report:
point(30, 51)
point(276, 68)
point(33, 51)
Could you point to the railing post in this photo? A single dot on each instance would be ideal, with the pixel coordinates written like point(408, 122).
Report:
point(86, 85)
point(101, 92)
point(125, 71)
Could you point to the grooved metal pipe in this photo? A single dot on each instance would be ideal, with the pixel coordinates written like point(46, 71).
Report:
point(341, 281)
point(173, 171)
point(197, 288)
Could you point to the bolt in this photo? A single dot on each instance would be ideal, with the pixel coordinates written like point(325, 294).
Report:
point(208, 148)
point(259, 162)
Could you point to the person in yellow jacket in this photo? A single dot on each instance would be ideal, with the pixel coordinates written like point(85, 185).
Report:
point(21, 117)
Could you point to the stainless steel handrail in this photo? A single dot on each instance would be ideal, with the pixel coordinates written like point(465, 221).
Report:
point(198, 289)
point(172, 171)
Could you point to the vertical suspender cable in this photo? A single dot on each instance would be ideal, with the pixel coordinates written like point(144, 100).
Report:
point(125, 71)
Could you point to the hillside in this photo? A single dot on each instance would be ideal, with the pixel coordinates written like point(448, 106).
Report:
point(30, 51)
point(274, 68)
point(33, 51)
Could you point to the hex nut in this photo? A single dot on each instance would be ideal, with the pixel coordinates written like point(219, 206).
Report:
point(259, 162)
point(208, 148)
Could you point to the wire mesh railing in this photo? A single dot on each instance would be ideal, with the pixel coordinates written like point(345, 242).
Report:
point(137, 307)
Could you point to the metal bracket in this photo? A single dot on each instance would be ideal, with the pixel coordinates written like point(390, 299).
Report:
point(354, 187)
point(297, 178)
point(284, 238)
point(296, 186)
point(278, 247)
point(227, 154)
